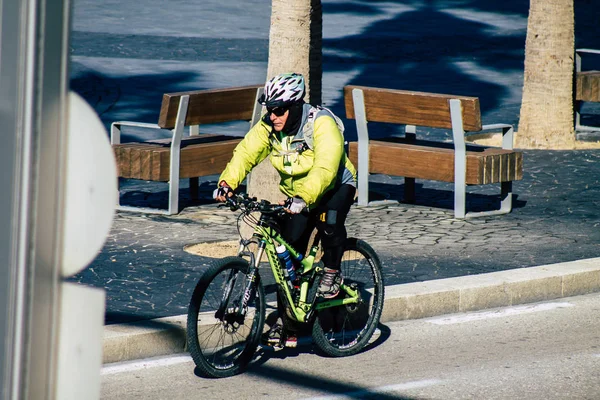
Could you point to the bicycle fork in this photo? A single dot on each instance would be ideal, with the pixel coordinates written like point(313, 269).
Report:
point(250, 287)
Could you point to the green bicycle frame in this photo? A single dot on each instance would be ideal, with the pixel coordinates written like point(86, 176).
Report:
point(268, 240)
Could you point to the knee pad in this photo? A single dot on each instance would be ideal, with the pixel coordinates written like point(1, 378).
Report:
point(330, 219)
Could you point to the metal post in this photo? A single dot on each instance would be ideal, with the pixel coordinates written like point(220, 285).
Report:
point(115, 133)
point(257, 111)
point(577, 103)
point(33, 86)
point(409, 183)
point(460, 159)
point(195, 181)
point(15, 160)
point(256, 115)
point(176, 155)
point(363, 146)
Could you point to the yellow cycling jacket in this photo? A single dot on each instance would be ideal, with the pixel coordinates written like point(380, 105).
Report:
point(308, 166)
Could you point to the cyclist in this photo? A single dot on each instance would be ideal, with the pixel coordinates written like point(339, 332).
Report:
point(306, 147)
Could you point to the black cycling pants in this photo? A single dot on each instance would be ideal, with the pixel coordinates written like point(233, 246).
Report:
point(329, 217)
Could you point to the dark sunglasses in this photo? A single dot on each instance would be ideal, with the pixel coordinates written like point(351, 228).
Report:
point(278, 111)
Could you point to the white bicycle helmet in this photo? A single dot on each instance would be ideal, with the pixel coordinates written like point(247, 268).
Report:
point(283, 90)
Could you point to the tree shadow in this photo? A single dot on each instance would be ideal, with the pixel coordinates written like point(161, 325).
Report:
point(305, 345)
point(313, 381)
point(587, 15)
point(114, 97)
point(471, 48)
point(433, 46)
point(139, 193)
point(441, 195)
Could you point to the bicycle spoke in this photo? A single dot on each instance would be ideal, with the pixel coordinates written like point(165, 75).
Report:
point(346, 329)
point(225, 340)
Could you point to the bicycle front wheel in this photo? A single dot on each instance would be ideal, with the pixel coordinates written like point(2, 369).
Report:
point(222, 338)
point(345, 330)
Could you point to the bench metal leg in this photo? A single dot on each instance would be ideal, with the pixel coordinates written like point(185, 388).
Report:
point(363, 147)
point(460, 166)
point(194, 190)
point(506, 197)
point(409, 190)
point(578, 126)
point(363, 150)
point(577, 103)
point(505, 187)
point(460, 197)
point(505, 203)
point(460, 158)
point(194, 182)
point(174, 166)
point(409, 183)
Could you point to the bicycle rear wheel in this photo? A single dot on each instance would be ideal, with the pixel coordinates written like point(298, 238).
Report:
point(345, 330)
point(221, 340)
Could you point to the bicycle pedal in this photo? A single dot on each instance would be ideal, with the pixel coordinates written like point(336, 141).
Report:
point(274, 343)
point(272, 338)
point(291, 342)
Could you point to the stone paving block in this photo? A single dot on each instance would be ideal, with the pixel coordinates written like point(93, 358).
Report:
point(484, 296)
point(421, 299)
point(157, 343)
point(114, 347)
point(145, 339)
point(394, 309)
point(530, 291)
point(581, 283)
point(432, 304)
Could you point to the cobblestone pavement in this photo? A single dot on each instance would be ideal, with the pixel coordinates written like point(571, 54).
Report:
point(556, 217)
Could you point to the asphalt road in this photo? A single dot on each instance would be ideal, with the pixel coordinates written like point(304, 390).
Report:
point(539, 351)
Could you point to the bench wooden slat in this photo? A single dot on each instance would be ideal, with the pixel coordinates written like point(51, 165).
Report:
point(484, 165)
point(135, 161)
point(210, 106)
point(131, 158)
point(505, 165)
point(152, 162)
point(216, 156)
point(122, 159)
point(145, 163)
point(588, 86)
point(413, 108)
point(488, 169)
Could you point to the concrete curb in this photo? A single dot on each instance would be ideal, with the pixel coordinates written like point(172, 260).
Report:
point(165, 336)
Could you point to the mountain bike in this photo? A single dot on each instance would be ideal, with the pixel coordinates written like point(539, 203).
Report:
point(226, 314)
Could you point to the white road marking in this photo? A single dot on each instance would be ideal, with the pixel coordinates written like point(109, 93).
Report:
point(381, 389)
point(457, 319)
point(118, 368)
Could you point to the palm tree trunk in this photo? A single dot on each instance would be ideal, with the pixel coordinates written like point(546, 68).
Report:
point(546, 120)
point(295, 41)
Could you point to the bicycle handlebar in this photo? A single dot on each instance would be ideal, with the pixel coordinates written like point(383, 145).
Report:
point(250, 204)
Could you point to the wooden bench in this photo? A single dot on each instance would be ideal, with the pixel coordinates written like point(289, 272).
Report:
point(185, 157)
point(587, 88)
point(430, 160)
